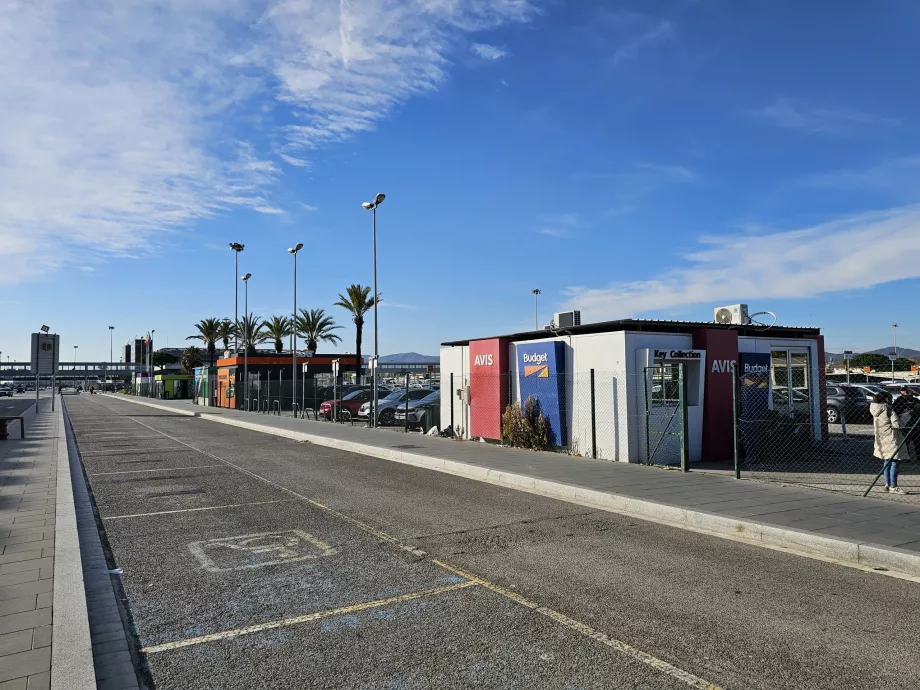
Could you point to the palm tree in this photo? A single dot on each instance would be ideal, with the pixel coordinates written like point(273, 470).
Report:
point(209, 330)
point(278, 328)
point(357, 303)
point(251, 332)
point(191, 358)
point(226, 331)
point(315, 327)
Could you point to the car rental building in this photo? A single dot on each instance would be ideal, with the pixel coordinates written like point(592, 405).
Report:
point(611, 390)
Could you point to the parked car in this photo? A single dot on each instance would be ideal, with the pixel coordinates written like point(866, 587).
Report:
point(869, 389)
point(847, 402)
point(349, 404)
point(386, 407)
point(801, 403)
point(7, 391)
point(418, 408)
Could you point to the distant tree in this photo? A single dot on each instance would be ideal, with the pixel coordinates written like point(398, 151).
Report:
point(209, 330)
point(251, 333)
point(277, 329)
point(357, 302)
point(314, 326)
point(191, 358)
point(869, 359)
point(161, 359)
point(225, 332)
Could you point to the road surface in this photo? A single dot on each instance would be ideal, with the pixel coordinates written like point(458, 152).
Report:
point(252, 561)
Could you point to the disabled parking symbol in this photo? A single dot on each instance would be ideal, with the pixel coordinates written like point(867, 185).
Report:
point(258, 550)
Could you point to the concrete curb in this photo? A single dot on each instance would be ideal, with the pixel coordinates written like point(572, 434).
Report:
point(71, 648)
point(799, 541)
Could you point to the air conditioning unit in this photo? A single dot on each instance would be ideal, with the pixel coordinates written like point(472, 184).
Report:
point(567, 319)
point(735, 314)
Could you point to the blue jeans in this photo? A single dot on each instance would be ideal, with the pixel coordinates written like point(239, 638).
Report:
point(891, 474)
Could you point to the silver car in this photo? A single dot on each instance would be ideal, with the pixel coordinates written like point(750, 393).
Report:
point(386, 407)
point(417, 409)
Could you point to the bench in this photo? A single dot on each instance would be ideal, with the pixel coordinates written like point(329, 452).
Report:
point(4, 427)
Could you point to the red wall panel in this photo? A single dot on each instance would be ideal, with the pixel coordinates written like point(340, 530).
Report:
point(489, 380)
point(721, 345)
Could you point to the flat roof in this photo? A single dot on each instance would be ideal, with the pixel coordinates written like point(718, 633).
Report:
point(653, 325)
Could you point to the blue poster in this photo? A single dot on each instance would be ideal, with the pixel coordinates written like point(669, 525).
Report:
point(541, 372)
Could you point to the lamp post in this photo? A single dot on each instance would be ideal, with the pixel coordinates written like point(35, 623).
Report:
point(106, 379)
point(150, 365)
point(894, 330)
point(293, 251)
point(372, 206)
point(536, 308)
point(237, 247)
point(75, 365)
point(245, 279)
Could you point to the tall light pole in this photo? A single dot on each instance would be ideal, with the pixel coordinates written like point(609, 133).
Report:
point(293, 251)
point(152, 388)
point(75, 365)
point(372, 206)
point(245, 279)
point(536, 308)
point(237, 247)
point(105, 380)
point(894, 330)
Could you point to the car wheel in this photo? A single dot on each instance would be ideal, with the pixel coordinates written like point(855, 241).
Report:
point(387, 417)
point(833, 415)
point(345, 415)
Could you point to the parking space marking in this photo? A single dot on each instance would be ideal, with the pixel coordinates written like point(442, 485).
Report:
point(586, 630)
point(296, 620)
point(119, 451)
point(258, 550)
point(158, 469)
point(192, 510)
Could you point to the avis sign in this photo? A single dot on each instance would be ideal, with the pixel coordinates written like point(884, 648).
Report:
point(483, 360)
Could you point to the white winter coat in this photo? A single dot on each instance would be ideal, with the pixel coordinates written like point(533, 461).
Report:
point(887, 432)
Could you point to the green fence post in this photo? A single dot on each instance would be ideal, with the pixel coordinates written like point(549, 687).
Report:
point(593, 420)
point(684, 436)
point(735, 421)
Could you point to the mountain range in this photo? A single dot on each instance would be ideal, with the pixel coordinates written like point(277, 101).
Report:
point(905, 352)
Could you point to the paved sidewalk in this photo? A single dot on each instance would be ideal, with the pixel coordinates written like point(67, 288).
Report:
point(44, 637)
point(871, 532)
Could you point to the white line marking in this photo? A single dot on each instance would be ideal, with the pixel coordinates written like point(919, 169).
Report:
point(286, 622)
point(159, 469)
point(119, 451)
point(192, 510)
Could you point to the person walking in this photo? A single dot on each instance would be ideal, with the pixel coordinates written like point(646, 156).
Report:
point(907, 407)
point(887, 428)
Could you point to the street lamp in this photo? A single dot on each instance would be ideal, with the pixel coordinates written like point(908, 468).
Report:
point(237, 247)
point(894, 330)
point(106, 378)
point(372, 206)
point(293, 252)
point(75, 365)
point(536, 308)
point(150, 367)
point(245, 279)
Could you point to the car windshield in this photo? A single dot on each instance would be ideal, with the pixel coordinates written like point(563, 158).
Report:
point(431, 397)
point(395, 396)
point(353, 395)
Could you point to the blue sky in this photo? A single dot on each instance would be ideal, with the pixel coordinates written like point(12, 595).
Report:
point(653, 158)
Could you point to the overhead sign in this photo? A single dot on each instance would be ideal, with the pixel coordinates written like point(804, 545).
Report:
point(45, 354)
point(848, 354)
point(680, 355)
point(892, 356)
point(541, 369)
point(335, 367)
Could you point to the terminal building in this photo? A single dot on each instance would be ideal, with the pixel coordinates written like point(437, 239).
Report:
point(610, 390)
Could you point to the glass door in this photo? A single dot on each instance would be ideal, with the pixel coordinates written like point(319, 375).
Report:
point(791, 386)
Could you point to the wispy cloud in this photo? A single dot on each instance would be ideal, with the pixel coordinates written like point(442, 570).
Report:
point(488, 52)
point(829, 121)
point(555, 232)
point(307, 207)
point(635, 32)
point(854, 252)
point(291, 160)
point(130, 128)
point(894, 176)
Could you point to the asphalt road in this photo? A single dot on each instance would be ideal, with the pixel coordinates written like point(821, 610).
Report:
point(251, 561)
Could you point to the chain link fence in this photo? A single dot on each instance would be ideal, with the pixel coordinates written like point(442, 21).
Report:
point(828, 435)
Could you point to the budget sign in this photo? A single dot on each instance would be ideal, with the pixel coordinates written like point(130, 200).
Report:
point(541, 372)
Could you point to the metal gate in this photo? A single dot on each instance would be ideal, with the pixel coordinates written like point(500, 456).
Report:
point(666, 439)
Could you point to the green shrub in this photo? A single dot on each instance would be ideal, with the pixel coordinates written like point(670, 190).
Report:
point(526, 427)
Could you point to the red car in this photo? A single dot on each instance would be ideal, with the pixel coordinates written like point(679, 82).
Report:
point(349, 405)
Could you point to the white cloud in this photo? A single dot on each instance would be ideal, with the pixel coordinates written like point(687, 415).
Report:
point(488, 52)
point(635, 32)
point(831, 121)
point(554, 232)
point(291, 160)
point(122, 121)
point(307, 207)
point(851, 253)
